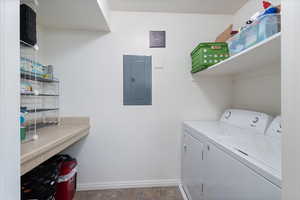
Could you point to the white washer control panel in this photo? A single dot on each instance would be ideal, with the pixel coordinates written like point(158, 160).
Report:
point(247, 119)
point(275, 129)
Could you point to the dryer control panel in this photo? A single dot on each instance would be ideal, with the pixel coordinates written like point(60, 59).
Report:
point(247, 119)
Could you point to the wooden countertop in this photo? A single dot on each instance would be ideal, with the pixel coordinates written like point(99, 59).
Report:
point(52, 140)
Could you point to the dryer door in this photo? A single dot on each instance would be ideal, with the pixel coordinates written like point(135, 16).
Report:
point(192, 167)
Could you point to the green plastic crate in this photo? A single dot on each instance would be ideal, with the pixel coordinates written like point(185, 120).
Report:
point(208, 54)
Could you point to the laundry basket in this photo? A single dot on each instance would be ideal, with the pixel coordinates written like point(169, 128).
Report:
point(43, 182)
point(40, 183)
point(208, 54)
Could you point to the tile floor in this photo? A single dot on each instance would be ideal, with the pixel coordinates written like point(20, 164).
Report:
point(159, 193)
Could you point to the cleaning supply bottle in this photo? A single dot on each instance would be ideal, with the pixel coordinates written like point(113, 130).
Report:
point(22, 127)
point(269, 8)
point(22, 123)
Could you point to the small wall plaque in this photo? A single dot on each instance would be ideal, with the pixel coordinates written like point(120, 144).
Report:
point(157, 39)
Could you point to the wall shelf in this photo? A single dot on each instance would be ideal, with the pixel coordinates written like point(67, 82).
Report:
point(89, 15)
point(41, 125)
point(26, 45)
point(42, 110)
point(265, 53)
point(33, 77)
point(39, 95)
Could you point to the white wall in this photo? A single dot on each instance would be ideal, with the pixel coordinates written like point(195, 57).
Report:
point(259, 90)
point(135, 144)
point(9, 100)
point(291, 99)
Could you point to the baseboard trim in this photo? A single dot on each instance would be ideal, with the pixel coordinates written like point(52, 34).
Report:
point(128, 184)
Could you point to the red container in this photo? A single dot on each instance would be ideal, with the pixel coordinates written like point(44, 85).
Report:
point(66, 186)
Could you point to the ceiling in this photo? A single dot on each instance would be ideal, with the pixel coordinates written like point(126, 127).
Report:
point(178, 6)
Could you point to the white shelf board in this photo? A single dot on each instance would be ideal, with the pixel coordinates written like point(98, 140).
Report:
point(265, 53)
point(87, 15)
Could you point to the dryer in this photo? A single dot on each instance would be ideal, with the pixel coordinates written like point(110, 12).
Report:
point(233, 158)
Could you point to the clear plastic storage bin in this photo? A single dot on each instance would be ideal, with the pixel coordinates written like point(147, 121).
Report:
point(265, 27)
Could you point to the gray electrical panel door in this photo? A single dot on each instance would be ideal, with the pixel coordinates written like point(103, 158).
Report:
point(137, 80)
